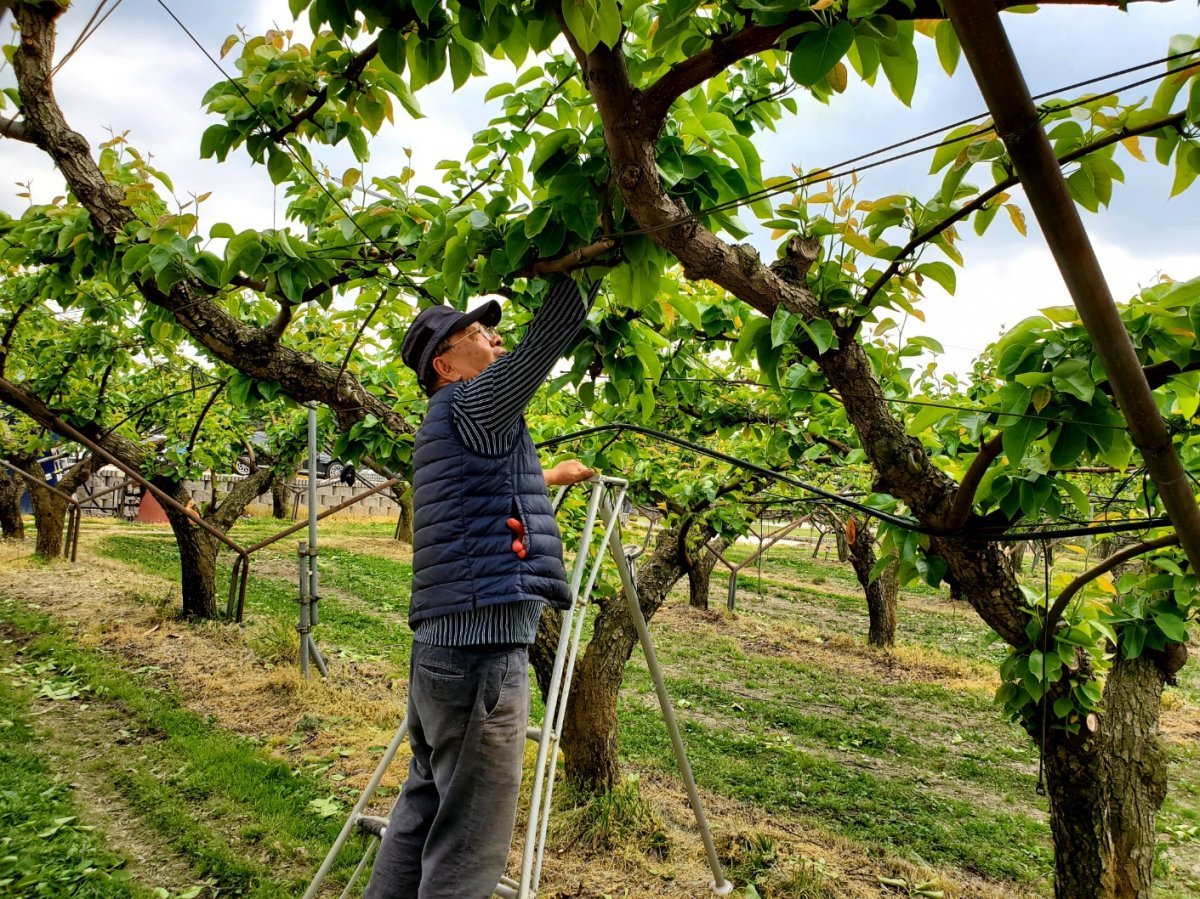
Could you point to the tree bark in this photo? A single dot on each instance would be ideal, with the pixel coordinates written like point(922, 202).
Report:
point(50, 506)
point(198, 551)
point(280, 496)
point(881, 593)
point(12, 488)
point(700, 573)
point(1106, 789)
point(404, 521)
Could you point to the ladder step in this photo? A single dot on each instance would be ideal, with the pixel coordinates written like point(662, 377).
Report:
point(504, 891)
point(534, 734)
point(371, 824)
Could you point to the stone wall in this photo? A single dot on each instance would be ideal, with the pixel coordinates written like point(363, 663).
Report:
point(329, 494)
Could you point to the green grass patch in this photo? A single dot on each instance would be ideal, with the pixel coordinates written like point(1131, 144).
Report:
point(241, 819)
point(45, 849)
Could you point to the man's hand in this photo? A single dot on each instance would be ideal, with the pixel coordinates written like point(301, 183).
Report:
point(566, 473)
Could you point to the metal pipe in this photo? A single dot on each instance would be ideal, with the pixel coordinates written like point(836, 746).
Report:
point(719, 885)
point(302, 627)
point(333, 510)
point(985, 44)
point(348, 827)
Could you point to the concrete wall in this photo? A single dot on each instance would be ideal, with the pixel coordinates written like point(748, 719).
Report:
point(329, 494)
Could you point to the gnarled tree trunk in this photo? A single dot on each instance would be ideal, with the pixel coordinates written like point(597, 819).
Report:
point(404, 523)
point(198, 549)
point(280, 495)
point(12, 523)
point(700, 573)
point(1106, 789)
point(50, 505)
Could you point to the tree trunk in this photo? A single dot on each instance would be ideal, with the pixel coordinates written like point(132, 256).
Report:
point(700, 574)
point(49, 514)
point(1105, 791)
point(589, 738)
point(197, 555)
point(280, 497)
point(881, 593)
point(404, 522)
point(12, 524)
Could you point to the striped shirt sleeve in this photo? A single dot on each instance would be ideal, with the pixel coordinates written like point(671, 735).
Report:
point(488, 408)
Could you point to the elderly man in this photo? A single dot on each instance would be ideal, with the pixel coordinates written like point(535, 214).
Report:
point(487, 557)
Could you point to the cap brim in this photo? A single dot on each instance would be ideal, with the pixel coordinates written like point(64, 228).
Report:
point(487, 314)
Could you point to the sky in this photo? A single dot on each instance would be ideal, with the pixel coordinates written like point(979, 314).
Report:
point(140, 74)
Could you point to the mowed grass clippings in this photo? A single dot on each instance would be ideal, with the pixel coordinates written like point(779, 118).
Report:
point(247, 824)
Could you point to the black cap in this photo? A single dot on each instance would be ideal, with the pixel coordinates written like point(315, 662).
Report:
point(432, 326)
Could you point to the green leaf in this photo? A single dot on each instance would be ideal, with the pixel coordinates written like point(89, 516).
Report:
point(1073, 376)
point(553, 148)
point(821, 333)
point(783, 326)
point(860, 9)
point(819, 51)
point(940, 272)
point(685, 307)
point(1172, 626)
point(948, 49)
point(899, 61)
point(279, 164)
point(745, 341)
point(1017, 437)
point(391, 49)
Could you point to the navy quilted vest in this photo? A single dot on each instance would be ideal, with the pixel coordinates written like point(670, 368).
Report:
point(462, 546)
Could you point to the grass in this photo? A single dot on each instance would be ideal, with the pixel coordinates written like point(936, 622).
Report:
point(45, 850)
point(901, 753)
point(239, 817)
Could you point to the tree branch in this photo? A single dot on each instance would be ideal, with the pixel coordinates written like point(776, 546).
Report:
point(251, 350)
point(964, 495)
point(980, 201)
point(1107, 565)
point(200, 418)
point(352, 72)
point(578, 258)
point(15, 129)
point(10, 329)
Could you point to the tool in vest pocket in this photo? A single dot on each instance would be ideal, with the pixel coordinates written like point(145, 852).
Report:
point(518, 529)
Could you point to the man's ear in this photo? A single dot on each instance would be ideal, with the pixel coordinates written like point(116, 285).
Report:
point(445, 370)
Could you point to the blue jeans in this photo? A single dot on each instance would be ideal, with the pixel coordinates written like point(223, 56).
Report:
point(451, 828)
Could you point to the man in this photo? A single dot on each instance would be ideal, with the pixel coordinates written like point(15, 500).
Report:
point(487, 557)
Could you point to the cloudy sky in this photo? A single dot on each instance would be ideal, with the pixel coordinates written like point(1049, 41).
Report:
point(140, 74)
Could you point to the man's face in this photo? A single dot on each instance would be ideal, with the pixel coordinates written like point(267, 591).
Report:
point(469, 352)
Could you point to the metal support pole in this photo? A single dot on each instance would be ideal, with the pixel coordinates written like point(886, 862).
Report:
point(986, 47)
point(313, 591)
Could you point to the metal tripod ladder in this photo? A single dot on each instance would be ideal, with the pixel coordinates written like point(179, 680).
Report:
point(604, 504)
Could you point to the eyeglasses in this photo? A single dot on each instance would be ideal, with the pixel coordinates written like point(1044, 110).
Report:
point(488, 333)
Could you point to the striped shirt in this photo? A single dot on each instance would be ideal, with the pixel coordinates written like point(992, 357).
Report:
point(488, 411)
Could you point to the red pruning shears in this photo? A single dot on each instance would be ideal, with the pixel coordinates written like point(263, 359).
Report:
point(518, 529)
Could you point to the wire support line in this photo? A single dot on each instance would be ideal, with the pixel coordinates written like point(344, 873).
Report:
point(842, 397)
point(981, 535)
point(841, 169)
point(92, 26)
point(416, 288)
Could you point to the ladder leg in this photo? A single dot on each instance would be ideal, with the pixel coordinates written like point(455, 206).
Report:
point(368, 792)
point(719, 884)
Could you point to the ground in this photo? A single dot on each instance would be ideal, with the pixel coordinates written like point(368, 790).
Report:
point(193, 760)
